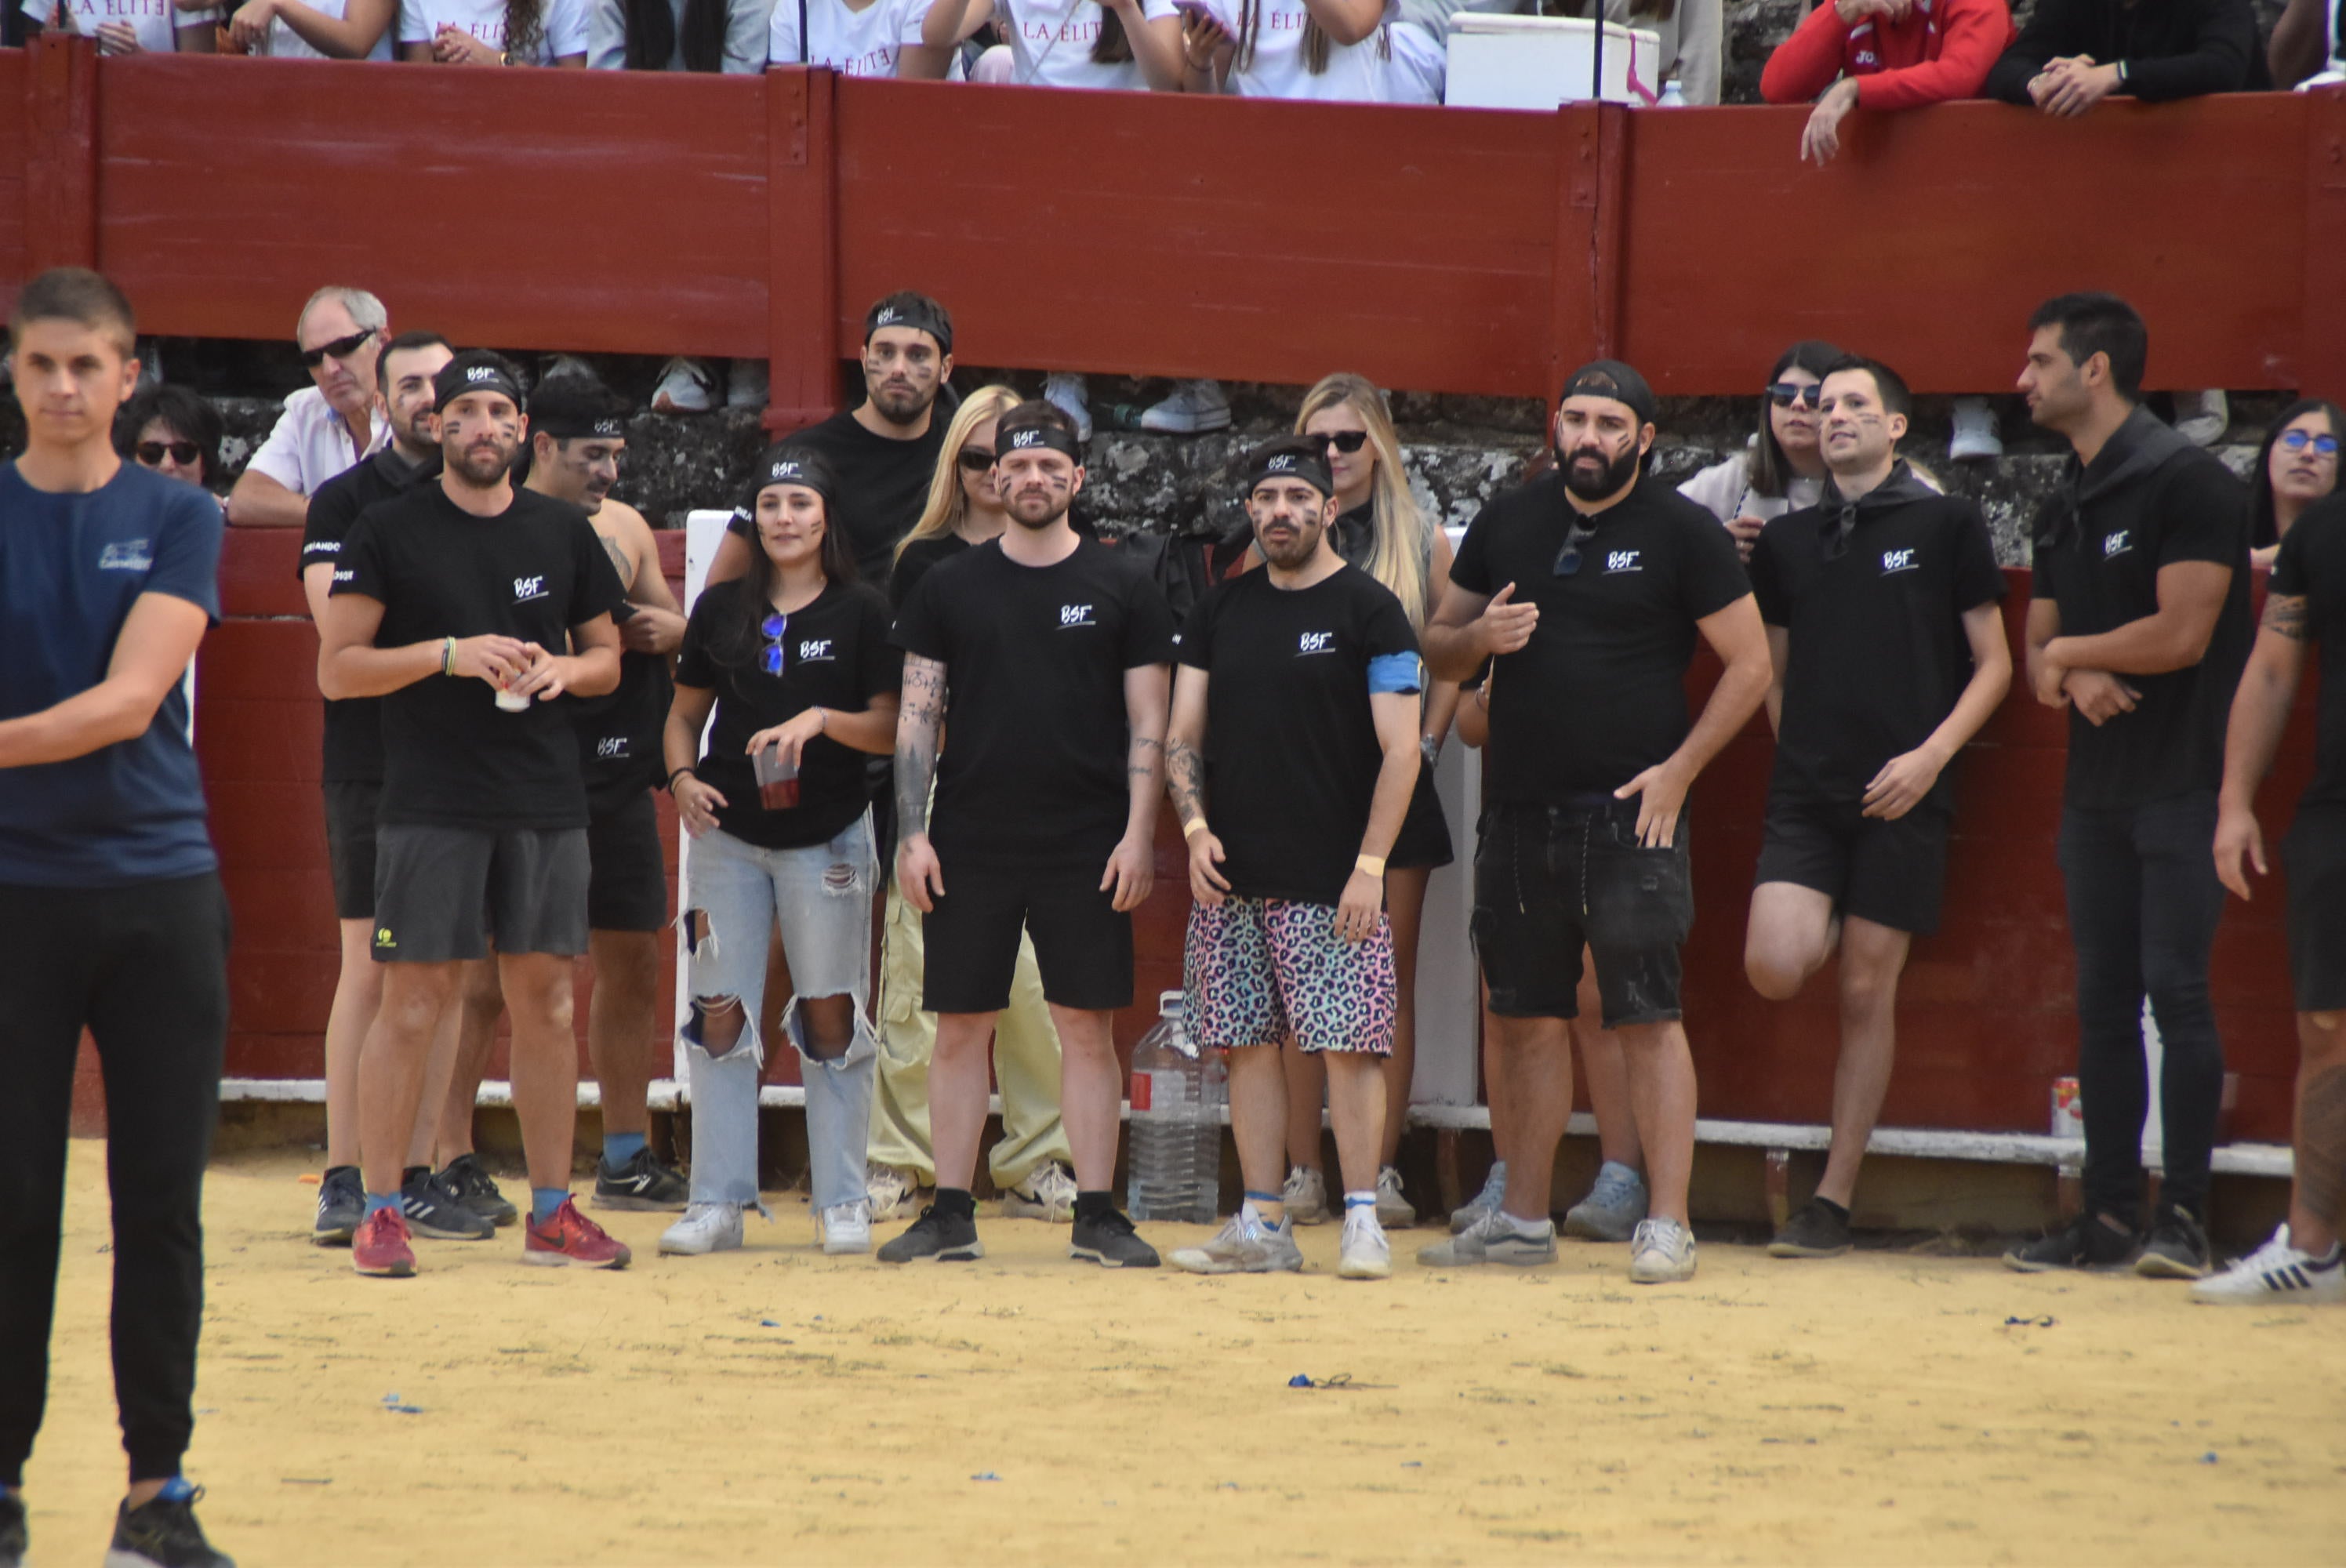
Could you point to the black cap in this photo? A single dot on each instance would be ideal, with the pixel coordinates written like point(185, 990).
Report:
point(577, 408)
point(477, 369)
point(1289, 457)
point(1611, 378)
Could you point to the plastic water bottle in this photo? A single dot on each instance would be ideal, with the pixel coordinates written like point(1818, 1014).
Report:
point(1175, 1170)
point(1673, 95)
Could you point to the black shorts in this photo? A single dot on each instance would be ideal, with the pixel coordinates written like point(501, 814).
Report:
point(1549, 879)
point(1083, 946)
point(1893, 873)
point(627, 884)
point(349, 845)
point(2314, 858)
point(440, 893)
point(1423, 841)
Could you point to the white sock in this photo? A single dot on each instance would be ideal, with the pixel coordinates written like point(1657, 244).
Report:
point(1532, 1227)
point(1367, 1201)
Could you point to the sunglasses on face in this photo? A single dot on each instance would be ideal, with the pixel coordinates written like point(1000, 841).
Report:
point(977, 458)
point(1347, 442)
point(1784, 395)
point(183, 453)
point(772, 627)
point(2298, 440)
point(340, 349)
point(1567, 560)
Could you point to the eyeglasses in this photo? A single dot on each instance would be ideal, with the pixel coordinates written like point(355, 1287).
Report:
point(2295, 440)
point(340, 349)
point(1784, 395)
point(977, 458)
point(185, 453)
point(1347, 442)
point(772, 627)
point(1567, 560)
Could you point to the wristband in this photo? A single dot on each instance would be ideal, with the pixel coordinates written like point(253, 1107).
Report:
point(1372, 864)
point(679, 773)
point(447, 655)
point(1193, 827)
point(823, 721)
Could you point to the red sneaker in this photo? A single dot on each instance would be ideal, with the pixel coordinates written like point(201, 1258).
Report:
point(379, 1247)
point(571, 1237)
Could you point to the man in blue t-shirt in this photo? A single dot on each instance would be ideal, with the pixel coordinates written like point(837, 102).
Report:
point(111, 914)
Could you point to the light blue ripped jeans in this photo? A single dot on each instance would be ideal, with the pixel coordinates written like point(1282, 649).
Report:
point(820, 899)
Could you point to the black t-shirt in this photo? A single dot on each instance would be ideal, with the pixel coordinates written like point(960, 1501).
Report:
point(915, 562)
point(1599, 695)
point(1878, 654)
point(883, 484)
point(355, 725)
point(2311, 566)
point(835, 654)
point(619, 733)
point(1037, 742)
point(451, 756)
point(2149, 499)
point(1291, 752)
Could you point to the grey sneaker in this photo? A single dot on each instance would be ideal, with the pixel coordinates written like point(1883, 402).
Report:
point(1306, 1196)
point(1489, 1201)
point(1614, 1203)
point(1111, 1242)
point(1495, 1240)
point(433, 1210)
point(1812, 1232)
point(2176, 1248)
point(1394, 1212)
point(1243, 1245)
point(1662, 1253)
point(1364, 1253)
point(341, 1203)
point(1047, 1195)
point(937, 1237)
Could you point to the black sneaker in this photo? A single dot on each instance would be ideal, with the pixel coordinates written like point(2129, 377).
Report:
point(643, 1183)
point(163, 1533)
point(2087, 1241)
point(16, 1539)
point(341, 1203)
point(937, 1238)
point(2176, 1248)
point(1111, 1242)
point(434, 1211)
point(470, 1186)
point(1813, 1231)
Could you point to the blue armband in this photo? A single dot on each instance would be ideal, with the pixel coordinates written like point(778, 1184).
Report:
point(1395, 672)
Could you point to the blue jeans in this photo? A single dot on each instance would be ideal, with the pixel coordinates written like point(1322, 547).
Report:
point(819, 898)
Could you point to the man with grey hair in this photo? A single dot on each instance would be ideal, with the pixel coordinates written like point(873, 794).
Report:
point(327, 427)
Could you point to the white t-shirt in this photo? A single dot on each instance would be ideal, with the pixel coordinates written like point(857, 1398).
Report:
point(1051, 43)
point(155, 22)
point(285, 43)
point(562, 32)
point(1419, 68)
point(311, 443)
point(1356, 74)
point(866, 43)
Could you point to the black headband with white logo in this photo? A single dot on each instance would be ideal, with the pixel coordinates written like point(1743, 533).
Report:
point(475, 371)
point(922, 315)
point(1038, 438)
point(1289, 462)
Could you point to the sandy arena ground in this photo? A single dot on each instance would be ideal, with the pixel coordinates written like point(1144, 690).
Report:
point(772, 1405)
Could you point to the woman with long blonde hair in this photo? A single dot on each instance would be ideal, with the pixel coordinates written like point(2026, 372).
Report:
point(962, 508)
point(1380, 529)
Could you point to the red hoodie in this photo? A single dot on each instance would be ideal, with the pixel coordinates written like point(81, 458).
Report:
point(1940, 49)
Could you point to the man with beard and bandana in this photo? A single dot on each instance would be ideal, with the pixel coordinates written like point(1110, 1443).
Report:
point(1587, 587)
point(450, 601)
point(1883, 626)
point(1295, 724)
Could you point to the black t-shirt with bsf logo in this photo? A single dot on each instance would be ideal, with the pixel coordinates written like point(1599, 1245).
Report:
point(835, 653)
point(2311, 566)
point(1874, 627)
point(353, 738)
point(452, 757)
point(1598, 694)
point(1291, 752)
point(1037, 742)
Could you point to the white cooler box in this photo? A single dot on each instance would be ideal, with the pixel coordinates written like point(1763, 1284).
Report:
point(1539, 62)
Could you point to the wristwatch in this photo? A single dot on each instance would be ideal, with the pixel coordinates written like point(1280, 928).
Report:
point(1430, 747)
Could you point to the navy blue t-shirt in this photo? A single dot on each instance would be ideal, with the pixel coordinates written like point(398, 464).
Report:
point(70, 568)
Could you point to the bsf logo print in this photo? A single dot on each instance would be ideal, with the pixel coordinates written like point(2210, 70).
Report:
point(1317, 642)
point(818, 649)
point(1621, 561)
point(1075, 614)
point(1898, 561)
point(528, 588)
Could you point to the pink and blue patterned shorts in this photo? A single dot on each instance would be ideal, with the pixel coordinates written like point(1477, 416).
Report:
point(1258, 970)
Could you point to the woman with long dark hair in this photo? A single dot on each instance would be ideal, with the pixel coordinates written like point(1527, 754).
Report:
point(1782, 468)
point(2296, 466)
point(793, 657)
point(706, 36)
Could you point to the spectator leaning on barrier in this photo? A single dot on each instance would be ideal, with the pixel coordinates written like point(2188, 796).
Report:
point(327, 30)
point(327, 427)
point(1888, 55)
point(493, 32)
point(130, 26)
point(173, 431)
point(2297, 467)
point(2074, 53)
point(877, 38)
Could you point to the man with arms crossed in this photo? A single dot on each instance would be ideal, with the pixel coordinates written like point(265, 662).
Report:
point(1055, 649)
point(111, 914)
point(1306, 749)
point(450, 600)
point(1587, 586)
point(1877, 601)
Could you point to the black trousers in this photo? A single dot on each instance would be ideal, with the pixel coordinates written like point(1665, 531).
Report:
point(145, 969)
point(2143, 906)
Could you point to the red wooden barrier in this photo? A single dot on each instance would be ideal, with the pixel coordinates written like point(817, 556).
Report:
point(1437, 249)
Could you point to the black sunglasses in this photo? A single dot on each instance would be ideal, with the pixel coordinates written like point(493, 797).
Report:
point(977, 458)
point(183, 453)
point(1567, 560)
point(340, 349)
point(1347, 442)
point(1784, 395)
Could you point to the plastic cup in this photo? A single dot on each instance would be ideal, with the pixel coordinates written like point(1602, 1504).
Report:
point(512, 701)
point(777, 780)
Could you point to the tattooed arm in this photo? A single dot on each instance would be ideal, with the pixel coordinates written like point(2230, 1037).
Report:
point(1185, 780)
point(919, 723)
point(2260, 712)
point(1132, 869)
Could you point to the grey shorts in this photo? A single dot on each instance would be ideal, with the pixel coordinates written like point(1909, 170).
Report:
point(441, 893)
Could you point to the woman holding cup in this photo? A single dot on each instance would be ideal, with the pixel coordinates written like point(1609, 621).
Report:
point(793, 657)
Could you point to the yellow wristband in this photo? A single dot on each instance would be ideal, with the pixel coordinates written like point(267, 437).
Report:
point(1192, 828)
point(1372, 864)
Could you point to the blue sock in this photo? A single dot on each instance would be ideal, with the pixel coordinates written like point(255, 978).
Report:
point(544, 1200)
point(618, 1149)
point(377, 1200)
point(176, 1490)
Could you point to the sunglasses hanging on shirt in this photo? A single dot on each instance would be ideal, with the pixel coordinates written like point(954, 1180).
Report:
point(1567, 560)
point(340, 349)
point(772, 627)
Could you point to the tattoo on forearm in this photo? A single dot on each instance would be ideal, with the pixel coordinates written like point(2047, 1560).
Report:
point(920, 710)
point(2321, 1147)
point(1184, 780)
point(2285, 617)
point(1148, 759)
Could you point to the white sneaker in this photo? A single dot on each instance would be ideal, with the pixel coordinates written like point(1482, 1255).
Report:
point(890, 1190)
point(1243, 1245)
point(1305, 1194)
point(1364, 1253)
point(745, 383)
point(2201, 418)
point(1975, 433)
point(2277, 1271)
point(1067, 391)
point(1193, 409)
point(846, 1228)
point(685, 386)
point(706, 1227)
point(1048, 1194)
point(1488, 1202)
point(1393, 1211)
point(557, 366)
point(1661, 1253)
point(1496, 1241)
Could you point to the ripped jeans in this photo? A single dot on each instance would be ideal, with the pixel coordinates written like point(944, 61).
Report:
point(819, 898)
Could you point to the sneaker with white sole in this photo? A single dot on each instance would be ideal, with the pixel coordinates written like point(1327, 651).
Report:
point(1071, 395)
point(2276, 1272)
point(1489, 1201)
point(1394, 1212)
point(2201, 418)
point(1364, 1253)
point(846, 1228)
point(891, 1190)
point(1496, 1241)
point(706, 1227)
point(1048, 1194)
point(1243, 1245)
point(1616, 1201)
point(557, 367)
point(1305, 1195)
point(1193, 409)
point(1975, 434)
point(685, 386)
point(1662, 1253)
